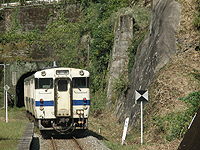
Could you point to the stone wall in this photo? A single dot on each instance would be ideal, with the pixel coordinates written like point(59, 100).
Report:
point(36, 17)
point(28, 17)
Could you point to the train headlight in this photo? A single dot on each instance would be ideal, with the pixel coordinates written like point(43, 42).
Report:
point(43, 73)
point(80, 111)
point(81, 72)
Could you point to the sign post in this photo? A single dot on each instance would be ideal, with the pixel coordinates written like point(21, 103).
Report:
point(125, 130)
point(6, 88)
point(88, 56)
point(141, 96)
point(4, 81)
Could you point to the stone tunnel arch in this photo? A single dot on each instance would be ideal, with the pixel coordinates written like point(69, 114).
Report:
point(20, 89)
point(16, 72)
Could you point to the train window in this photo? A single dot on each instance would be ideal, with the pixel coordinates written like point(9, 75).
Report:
point(80, 82)
point(44, 83)
point(88, 82)
point(62, 85)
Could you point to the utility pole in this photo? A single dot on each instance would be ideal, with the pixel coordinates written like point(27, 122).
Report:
point(88, 57)
point(6, 88)
point(4, 82)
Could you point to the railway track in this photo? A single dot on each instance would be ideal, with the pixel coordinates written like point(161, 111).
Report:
point(77, 143)
point(70, 142)
point(53, 143)
point(56, 143)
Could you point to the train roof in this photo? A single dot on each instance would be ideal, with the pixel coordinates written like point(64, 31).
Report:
point(60, 73)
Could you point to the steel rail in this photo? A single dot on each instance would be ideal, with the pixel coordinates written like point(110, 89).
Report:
point(77, 143)
point(54, 144)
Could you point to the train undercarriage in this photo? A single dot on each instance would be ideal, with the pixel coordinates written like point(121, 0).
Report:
point(60, 125)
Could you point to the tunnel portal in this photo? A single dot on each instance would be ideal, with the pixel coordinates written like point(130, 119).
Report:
point(20, 89)
point(16, 72)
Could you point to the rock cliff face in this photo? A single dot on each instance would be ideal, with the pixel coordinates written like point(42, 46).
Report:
point(156, 49)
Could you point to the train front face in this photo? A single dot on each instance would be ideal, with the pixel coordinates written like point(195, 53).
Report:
point(71, 101)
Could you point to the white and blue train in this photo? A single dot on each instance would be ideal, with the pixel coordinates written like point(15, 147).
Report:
point(58, 99)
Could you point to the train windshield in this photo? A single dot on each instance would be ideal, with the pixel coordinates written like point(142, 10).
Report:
point(44, 83)
point(62, 85)
point(82, 82)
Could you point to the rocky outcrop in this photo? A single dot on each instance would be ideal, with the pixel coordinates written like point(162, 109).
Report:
point(123, 35)
point(156, 49)
point(125, 21)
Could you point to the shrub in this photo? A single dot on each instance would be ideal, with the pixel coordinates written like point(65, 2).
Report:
point(174, 125)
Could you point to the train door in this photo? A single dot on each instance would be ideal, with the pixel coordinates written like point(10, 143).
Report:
point(63, 98)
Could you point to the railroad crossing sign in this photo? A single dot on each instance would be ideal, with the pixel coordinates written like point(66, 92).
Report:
point(141, 95)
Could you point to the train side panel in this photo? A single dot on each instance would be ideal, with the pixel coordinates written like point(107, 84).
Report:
point(44, 94)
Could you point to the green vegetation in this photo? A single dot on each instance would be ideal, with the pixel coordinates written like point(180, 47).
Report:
point(12, 131)
point(121, 84)
point(174, 125)
point(137, 39)
point(64, 42)
point(196, 20)
point(1, 96)
point(119, 146)
point(14, 34)
point(98, 103)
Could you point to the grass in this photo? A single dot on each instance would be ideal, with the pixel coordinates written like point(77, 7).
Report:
point(111, 132)
point(11, 132)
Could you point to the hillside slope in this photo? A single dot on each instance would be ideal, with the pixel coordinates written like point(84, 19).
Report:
point(178, 78)
point(174, 80)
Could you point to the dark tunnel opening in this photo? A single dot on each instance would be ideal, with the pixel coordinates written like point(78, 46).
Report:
point(20, 89)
